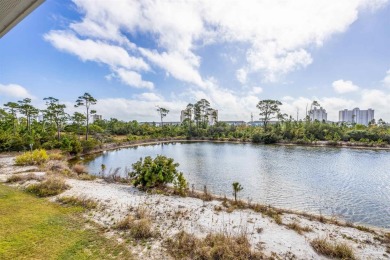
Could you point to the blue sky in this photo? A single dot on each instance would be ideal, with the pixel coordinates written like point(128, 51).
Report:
point(135, 55)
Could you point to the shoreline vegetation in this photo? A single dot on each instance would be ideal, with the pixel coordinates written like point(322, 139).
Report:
point(158, 223)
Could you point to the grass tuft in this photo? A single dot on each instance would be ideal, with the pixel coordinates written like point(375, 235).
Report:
point(298, 228)
point(333, 250)
point(50, 187)
point(213, 246)
point(81, 202)
point(86, 177)
point(19, 178)
point(140, 225)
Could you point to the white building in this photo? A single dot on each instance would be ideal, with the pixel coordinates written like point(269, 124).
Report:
point(357, 116)
point(212, 116)
point(183, 116)
point(96, 117)
point(318, 114)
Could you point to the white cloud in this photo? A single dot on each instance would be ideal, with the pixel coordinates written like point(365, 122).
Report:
point(98, 51)
point(386, 80)
point(133, 79)
point(241, 76)
point(256, 90)
point(15, 91)
point(150, 96)
point(276, 35)
point(344, 86)
point(180, 67)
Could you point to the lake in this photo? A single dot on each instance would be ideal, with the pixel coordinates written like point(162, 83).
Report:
point(350, 183)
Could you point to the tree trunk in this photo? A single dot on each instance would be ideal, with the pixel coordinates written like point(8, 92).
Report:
point(86, 134)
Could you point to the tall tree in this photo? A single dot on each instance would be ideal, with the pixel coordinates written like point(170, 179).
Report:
point(78, 119)
point(26, 109)
point(12, 108)
point(55, 112)
point(188, 112)
point(87, 101)
point(163, 113)
point(269, 109)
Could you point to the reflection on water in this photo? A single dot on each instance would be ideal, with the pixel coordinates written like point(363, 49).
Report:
point(354, 184)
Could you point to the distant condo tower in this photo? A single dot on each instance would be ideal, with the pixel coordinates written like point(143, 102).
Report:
point(318, 114)
point(357, 116)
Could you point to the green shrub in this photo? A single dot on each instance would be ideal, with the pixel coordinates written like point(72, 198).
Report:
point(256, 138)
point(180, 185)
point(149, 173)
point(50, 187)
point(89, 145)
point(36, 157)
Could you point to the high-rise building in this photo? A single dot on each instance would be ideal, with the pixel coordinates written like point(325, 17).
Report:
point(318, 114)
point(96, 117)
point(363, 117)
point(212, 116)
point(183, 116)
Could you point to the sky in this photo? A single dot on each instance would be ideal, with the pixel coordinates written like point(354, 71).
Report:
point(134, 55)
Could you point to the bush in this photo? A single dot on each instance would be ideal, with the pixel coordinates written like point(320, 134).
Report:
point(89, 145)
point(36, 157)
point(79, 169)
point(256, 138)
point(266, 138)
point(180, 185)
point(269, 138)
point(149, 173)
point(50, 187)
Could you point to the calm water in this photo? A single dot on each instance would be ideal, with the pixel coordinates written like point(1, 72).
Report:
point(353, 184)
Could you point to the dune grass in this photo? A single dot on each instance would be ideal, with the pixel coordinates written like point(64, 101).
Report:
point(34, 228)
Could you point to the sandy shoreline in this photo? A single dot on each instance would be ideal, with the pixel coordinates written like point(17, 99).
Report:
point(171, 214)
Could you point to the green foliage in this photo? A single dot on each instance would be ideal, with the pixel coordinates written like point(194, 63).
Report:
point(181, 185)
point(236, 189)
point(36, 157)
point(89, 145)
point(149, 173)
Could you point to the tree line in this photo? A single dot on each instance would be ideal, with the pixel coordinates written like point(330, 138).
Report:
point(20, 128)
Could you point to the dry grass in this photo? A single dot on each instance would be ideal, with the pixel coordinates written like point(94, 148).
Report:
point(56, 166)
point(298, 228)
point(81, 202)
point(139, 228)
point(333, 250)
point(140, 225)
point(213, 246)
point(23, 178)
point(79, 169)
point(86, 177)
point(50, 187)
point(56, 156)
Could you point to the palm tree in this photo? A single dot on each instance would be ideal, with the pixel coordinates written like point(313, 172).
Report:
point(236, 189)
